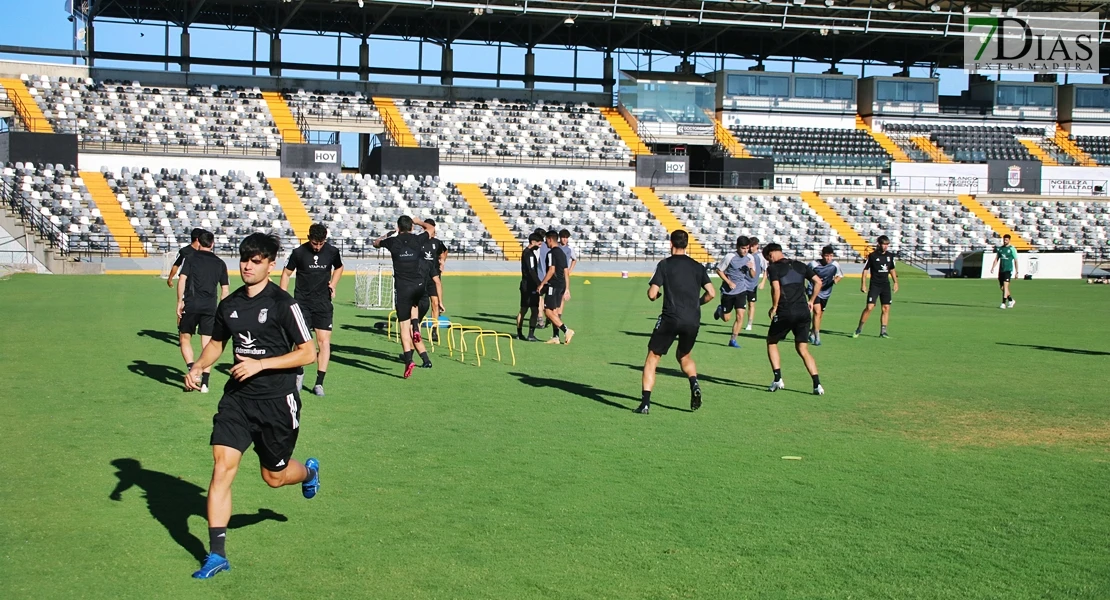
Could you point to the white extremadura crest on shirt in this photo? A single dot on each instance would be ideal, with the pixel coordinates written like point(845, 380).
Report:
point(262, 315)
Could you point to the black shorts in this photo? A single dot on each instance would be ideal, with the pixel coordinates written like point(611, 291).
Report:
point(529, 298)
point(553, 298)
point(731, 302)
point(879, 293)
point(822, 302)
point(667, 331)
point(318, 316)
point(196, 323)
point(1004, 276)
point(271, 425)
point(407, 296)
point(752, 296)
point(784, 323)
point(430, 287)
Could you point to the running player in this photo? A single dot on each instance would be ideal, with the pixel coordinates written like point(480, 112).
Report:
point(529, 288)
point(790, 312)
point(759, 278)
point(553, 286)
point(1007, 255)
point(201, 273)
point(435, 253)
point(686, 287)
point(319, 267)
point(880, 265)
point(829, 271)
point(572, 260)
point(410, 279)
point(736, 272)
point(182, 254)
point(261, 404)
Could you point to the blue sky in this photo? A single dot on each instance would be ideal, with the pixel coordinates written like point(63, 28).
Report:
point(43, 23)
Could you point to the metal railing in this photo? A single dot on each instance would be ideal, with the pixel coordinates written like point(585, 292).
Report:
point(33, 219)
point(481, 155)
point(208, 144)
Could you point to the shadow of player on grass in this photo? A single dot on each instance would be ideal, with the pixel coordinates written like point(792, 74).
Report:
point(585, 391)
point(166, 374)
point(1058, 349)
point(163, 336)
point(172, 501)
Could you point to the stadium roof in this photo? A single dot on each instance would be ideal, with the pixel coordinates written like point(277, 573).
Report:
point(905, 32)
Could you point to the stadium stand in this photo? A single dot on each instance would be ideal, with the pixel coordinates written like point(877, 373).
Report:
point(813, 146)
point(606, 221)
point(322, 107)
point(1097, 146)
point(56, 204)
point(515, 132)
point(164, 205)
point(358, 209)
point(130, 117)
point(1058, 224)
point(927, 228)
point(717, 219)
point(971, 144)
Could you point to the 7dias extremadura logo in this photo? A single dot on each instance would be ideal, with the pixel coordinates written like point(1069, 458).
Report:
point(1032, 43)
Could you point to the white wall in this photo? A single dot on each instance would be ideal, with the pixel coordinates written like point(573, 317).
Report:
point(1048, 265)
point(1074, 181)
point(729, 119)
point(88, 161)
point(13, 252)
point(1089, 129)
point(480, 174)
point(937, 178)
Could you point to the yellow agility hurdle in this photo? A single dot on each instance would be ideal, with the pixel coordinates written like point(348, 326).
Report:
point(477, 331)
point(391, 318)
point(496, 335)
point(451, 346)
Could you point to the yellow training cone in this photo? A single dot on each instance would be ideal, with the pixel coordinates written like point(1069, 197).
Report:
point(587, 282)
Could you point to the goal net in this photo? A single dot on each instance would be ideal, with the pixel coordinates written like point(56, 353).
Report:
point(167, 263)
point(373, 286)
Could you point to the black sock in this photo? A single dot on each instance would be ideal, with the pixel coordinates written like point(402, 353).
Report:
point(563, 328)
point(816, 380)
point(554, 330)
point(532, 330)
point(217, 537)
point(778, 374)
point(693, 382)
point(320, 377)
point(645, 397)
point(1010, 298)
point(310, 473)
point(408, 357)
point(424, 357)
point(520, 331)
point(204, 378)
point(189, 366)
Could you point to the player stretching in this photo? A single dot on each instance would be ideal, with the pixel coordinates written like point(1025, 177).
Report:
point(184, 253)
point(759, 277)
point(686, 287)
point(318, 267)
point(261, 404)
point(829, 271)
point(201, 273)
point(410, 276)
point(736, 271)
point(880, 265)
point(790, 312)
point(1007, 254)
point(435, 252)
point(529, 288)
point(554, 283)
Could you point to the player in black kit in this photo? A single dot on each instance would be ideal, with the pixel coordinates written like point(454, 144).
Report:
point(553, 287)
point(410, 276)
point(880, 265)
point(261, 404)
point(529, 288)
point(184, 253)
point(686, 287)
point(318, 266)
point(790, 311)
point(201, 273)
point(435, 253)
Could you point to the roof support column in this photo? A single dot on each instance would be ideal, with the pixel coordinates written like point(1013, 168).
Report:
point(530, 69)
point(364, 60)
point(607, 72)
point(275, 54)
point(447, 65)
point(185, 52)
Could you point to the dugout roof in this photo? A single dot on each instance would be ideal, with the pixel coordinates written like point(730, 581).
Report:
point(906, 32)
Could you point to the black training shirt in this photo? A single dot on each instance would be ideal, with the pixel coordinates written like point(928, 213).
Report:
point(268, 325)
point(529, 263)
point(432, 250)
point(314, 270)
point(683, 281)
point(204, 272)
point(559, 261)
point(792, 276)
point(407, 250)
point(880, 264)
point(182, 254)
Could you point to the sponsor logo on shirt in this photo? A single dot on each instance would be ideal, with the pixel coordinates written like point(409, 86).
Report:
point(247, 342)
point(262, 315)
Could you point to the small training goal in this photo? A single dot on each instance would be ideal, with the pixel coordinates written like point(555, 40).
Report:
point(373, 286)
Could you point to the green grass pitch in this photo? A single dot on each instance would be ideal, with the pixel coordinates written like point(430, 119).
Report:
point(965, 457)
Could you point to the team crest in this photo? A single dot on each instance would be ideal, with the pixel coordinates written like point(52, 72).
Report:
point(262, 315)
point(316, 259)
point(1013, 176)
